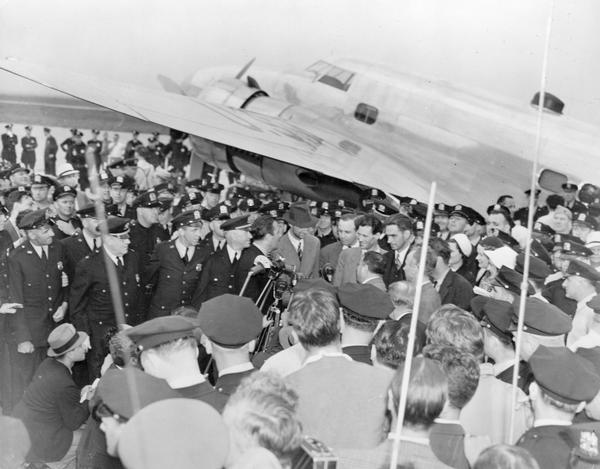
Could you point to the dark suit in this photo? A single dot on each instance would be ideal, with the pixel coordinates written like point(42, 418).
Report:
point(50, 151)
point(9, 152)
point(547, 445)
point(206, 393)
point(457, 290)
point(29, 144)
point(174, 281)
point(76, 156)
point(91, 304)
point(51, 411)
point(330, 254)
point(144, 240)
point(218, 276)
point(227, 384)
point(345, 270)
point(394, 273)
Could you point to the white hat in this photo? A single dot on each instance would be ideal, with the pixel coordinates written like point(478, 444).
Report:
point(66, 170)
point(463, 242)
point(593, 240)
point(503, 256)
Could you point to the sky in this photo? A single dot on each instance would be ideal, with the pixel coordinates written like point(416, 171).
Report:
point(492, 45)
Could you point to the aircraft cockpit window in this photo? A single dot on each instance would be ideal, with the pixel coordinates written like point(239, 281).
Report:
point(366, 113)
point(331, 75)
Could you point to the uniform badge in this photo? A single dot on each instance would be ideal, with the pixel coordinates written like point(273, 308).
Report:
point(588, 443)
point(137, 278)
point(198, 267)
point(64, 280)
point(59, 265)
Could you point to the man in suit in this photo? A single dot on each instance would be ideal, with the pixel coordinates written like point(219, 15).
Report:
point(230, 346)
point(51, 408)
point(220, 272)
point(398, 230)
point(28, 144)
point(430, 299)
point(368, 231)
point(175, 266)
point(157, 150)
point(84, 243)
point(330, 383)
point(96, 144)
point(452, 287)
point(76, 156)
point(266, 233)
point(9, 143)
point(92, 309)
point(299, 247)
point(347, 238)
point(36, 281)
point(370, 270)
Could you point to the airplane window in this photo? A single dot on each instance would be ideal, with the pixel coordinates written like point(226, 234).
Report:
point(366, 113)
point(319, 67)
point(337, 77)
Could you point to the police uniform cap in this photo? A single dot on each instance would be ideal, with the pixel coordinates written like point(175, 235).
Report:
point(564, 375)
point(8, 126)
point(465, 212)
point(230, 320)
point(538, 269)
point(572, 248)
point(490, 243)
point(511, 280)
point(46, 129)
point(87, 211)
point(442, 209)
point(542, 318)
point(249, 204)
point(219, 212)
point(155, 134)
point(214, 188)
point(64, 191)
point(237, 191)
point(164, 186)
point(237, 223)
point(41, 180)
point(187, 218)
point(581, 269)
point(178, 433)
point(116, 386)
point(27, 127)
point(116, 225)
point(161, 330)
point(365, 300)
point(116, 164)
point(193, 198)
point(587, 220)
point(73, 131)
point(147, 199)
point(528, 191)
point(507, 239)
point(569, 187)
point(540, 252)
point(195, 183)
point(124, 182)
point(33, 220)
point(496, 315)
point(542, 228)
point(17, 168)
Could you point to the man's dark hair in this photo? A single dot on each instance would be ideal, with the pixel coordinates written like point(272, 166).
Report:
point(360, 323)
point(554, 200)
point(505, 214)
point(262, 226)
point(391, 341)
point(314, 315)
point(403, 222)
point(462, 371)
point(369, 220)
point(375, 262)
point(430, 259)
point(441, 249)
point(503, 198)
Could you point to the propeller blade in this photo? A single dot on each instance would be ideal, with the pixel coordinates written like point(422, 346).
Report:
point(240, 74)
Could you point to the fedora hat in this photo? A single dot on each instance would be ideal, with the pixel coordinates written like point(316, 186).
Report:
point(299, 215)
point(63, 339)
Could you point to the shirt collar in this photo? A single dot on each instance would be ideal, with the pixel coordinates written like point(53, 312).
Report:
point(181, 249)
point(295, 241)
point(90, 241)
point(547, 422)
point(236, 369)
point(112, 256)
point(318, 356)
point(232, 252)
point(38, 250)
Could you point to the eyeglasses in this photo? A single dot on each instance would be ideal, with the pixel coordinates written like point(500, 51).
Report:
point(103, 411)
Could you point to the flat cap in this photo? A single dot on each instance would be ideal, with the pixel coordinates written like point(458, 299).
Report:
point(117, 386)
point(365, 300)
point(496, 315)
point(230, 320)
point(147, 199)
point(116, 225)
point(34, 220)
point(564, 375)
point(508, 240)
point(64, 191)
point(237, 223)
point(538, 269)
point(581, 269)
point(161, 330)
point(188, 218)
point(542, 318)
point(40, 179)
point(177, 433)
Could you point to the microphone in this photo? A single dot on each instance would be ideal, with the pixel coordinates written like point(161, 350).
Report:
point(256, 269)
point(260, 263)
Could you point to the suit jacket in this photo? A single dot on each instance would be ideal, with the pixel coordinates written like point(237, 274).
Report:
point(257, 282)
point(345, 271)
point(173, 281)
point(218, 276)
point(51, 411)
point(75, 249)
point(430, 302)
point(90, 298)
point(38, 286)
point(457, 290)
point(377, 282)
point(309, 266)
point(394, 273)
point(51, 147)
point(330, 254)
point(342, 402)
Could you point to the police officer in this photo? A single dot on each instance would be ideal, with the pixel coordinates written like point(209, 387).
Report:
point(76, 157)
point(119, 187)
point(215, 240)
point(9, 143)
point(175, 266)
point(91, 305)
point(28, 144)
point(230, 346)
point(132, 144)
point(36, 281)
point(564, 382)
point(40, 186)
point(68, 142)
point(157, 150)
point(50, 150)
point(66, 221)
point(221, 271)
point(176, 151)
point(84, 243)
point(570, 196)
point(96, 144)
point(212, 194)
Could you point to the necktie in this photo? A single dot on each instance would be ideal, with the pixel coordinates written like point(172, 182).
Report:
point(220, 246)
point(184, 258)
point(44, 255)
point(300, 251)
point(120, 262)
point(398, 261)
point(95, 244)
point(235, 258)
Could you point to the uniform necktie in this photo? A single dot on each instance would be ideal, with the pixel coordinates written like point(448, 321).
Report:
point(95, 244)
point(299, 251)
point(235, 258)
point(44, 255)
point(120, 262)
point(184, 258)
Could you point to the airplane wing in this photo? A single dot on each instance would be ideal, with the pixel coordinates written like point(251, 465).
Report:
point(307, 146)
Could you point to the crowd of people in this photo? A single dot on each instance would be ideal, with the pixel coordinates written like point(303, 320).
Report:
point(162, 321)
